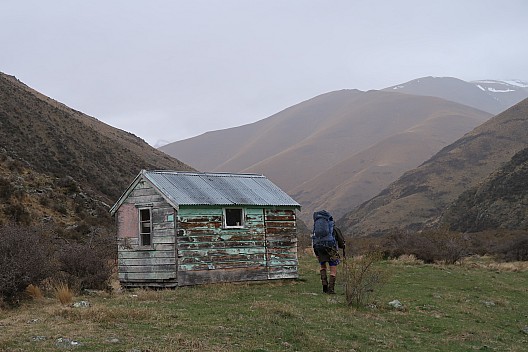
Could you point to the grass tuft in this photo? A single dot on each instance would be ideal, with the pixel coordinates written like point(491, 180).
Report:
point(63, 293)
point(407, 259)
point(34, 292)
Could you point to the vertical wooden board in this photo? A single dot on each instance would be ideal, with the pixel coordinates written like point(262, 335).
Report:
point(281, 243)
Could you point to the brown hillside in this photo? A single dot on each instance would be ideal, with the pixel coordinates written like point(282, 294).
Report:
point(366, 173)
point(48, 140)
point(499, 202)
point(324, 151)
point(235, 149)
point(418, 198)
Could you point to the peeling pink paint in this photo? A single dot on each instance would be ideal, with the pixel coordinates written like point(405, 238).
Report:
point(127, 221)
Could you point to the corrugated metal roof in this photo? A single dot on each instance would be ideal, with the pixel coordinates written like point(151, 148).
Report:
point(188, 188)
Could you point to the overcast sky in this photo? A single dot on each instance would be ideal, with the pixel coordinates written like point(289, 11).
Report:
point(169, 69)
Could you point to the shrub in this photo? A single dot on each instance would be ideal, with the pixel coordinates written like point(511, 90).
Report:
point(449, 246)
point(431, 246)
point(6, 188)
point(514, 249)
point(362, 278)
point(18, 213)
point(25, 258)
point(87, 265)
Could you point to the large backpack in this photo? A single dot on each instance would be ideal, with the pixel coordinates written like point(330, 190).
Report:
point(323, 229)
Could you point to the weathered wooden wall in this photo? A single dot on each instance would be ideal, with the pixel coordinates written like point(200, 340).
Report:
point(153, 265)
point(209, 253)
point(281, 244)
point(266, 248)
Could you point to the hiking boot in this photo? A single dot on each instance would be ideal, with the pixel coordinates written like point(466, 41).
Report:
point(324, 280)
point(331, 286)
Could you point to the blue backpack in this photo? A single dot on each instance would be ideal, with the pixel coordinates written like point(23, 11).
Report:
point(323, 230)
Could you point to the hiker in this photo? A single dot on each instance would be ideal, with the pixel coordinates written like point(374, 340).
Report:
point(327, 239)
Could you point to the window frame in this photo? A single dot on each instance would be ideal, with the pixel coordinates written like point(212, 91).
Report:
point(140, 224)
point(242, 218)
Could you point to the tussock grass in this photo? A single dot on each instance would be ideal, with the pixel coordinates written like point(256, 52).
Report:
point(486, 262)
point(34, 292)
point(407, 259)
point(63, 293)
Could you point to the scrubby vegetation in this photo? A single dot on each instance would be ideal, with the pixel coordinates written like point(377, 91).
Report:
point(363, 277)
point(33, 258)
point(443, 246)
point(498, 202)
point(25, 259)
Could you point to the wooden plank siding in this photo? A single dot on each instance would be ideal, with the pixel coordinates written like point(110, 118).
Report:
point(281, 244)
point(207, 252)
point(153, 265)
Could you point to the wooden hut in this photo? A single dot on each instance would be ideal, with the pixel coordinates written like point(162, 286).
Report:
point(187, 228)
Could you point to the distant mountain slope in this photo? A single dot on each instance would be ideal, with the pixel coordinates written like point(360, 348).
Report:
point(240, 147)
point(324, 151)
point(493, 96)
point(366, 173)
point(48, 138)
point(500, 202)
point(418, 198)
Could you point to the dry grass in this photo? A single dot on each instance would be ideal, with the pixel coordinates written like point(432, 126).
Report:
point(63, 293)
point(34, 292)
point(407, 259)
point(486, 262)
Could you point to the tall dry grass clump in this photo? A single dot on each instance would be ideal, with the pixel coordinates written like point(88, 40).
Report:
point(407, 259)
point(63, 293)
point(34, 292)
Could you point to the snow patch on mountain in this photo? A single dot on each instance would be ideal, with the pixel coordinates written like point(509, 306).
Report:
point(517, 83)
point(500, 90)
point(509, 83)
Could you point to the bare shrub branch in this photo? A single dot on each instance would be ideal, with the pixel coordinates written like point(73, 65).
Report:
point(363, 277)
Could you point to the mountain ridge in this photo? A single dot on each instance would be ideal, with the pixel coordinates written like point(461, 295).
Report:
point(493, 96)
point(295, 145)
point(418, 198)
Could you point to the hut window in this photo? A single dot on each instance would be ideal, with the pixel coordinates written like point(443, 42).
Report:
point(145, 226)
point(233, 217)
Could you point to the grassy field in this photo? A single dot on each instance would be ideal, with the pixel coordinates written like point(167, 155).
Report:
point(474, 306)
